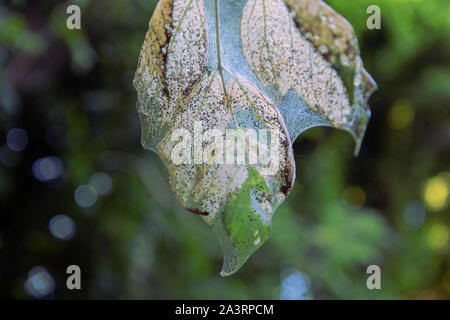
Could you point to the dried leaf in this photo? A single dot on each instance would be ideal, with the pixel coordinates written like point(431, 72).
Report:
point(212, 74)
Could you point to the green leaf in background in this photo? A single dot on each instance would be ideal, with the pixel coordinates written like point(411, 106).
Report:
point(211, 66)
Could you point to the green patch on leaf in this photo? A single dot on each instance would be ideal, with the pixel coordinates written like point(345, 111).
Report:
point(243, 223)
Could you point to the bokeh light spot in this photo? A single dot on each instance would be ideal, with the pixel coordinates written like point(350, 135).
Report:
point(435, 193)
point(101, 181)
point(47, 168)
point(62, 227)
point(438, 236)
point(354, 195)
point(85, 196)
point(294, 287)
point(17, 139)
point(401, 115)
point(39, 283)
point(414, 214)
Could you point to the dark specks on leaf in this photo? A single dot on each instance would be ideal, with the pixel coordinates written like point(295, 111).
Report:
point(196, 211)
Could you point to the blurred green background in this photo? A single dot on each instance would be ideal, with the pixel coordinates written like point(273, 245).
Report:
point(77, 188)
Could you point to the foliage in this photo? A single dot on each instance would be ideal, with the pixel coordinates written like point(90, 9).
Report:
point(72, 92)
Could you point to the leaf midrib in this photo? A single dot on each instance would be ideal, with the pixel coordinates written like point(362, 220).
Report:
point(219, 61)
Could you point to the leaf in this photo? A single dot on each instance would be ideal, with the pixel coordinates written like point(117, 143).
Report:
point(212, 74)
